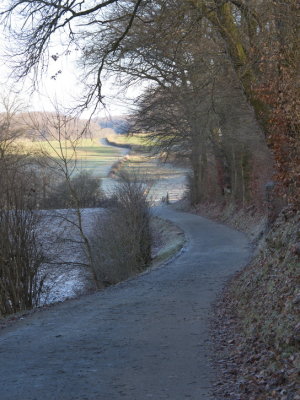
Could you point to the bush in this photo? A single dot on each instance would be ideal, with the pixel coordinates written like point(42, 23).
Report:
point(82, 190)
point(21, 258)
point(121, 242)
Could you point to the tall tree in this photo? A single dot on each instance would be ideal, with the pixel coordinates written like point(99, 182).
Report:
point(260, 39)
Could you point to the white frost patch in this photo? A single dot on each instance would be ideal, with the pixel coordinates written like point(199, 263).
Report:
point(59, 237)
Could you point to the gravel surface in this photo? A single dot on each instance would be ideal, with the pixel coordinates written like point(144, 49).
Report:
point(146, 338)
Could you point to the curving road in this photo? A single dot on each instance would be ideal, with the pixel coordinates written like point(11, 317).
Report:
point(146, 338)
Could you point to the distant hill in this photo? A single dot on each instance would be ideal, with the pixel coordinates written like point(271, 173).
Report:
point(37, 126)
point(119, 124)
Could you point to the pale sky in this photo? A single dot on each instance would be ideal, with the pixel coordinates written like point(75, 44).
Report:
point(63, 90)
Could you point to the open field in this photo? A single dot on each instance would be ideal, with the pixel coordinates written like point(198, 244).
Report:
point(138, 142)
point(165, 178)
point(94, 156)
point(90, 154)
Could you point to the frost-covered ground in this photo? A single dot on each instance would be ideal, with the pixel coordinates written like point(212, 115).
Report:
point(171, 181)
point(60, 239)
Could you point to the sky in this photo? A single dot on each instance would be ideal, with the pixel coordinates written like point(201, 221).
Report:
point(63, 90)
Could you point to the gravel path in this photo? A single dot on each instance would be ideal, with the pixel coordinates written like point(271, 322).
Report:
point(146, 338)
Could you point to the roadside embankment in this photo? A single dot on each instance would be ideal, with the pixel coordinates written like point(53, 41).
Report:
point(169, 239)
point(249, 220)
point(257, 322)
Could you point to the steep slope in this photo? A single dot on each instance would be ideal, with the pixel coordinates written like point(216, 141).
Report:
point(259, 331)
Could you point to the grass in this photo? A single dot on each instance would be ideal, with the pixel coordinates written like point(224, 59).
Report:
point(170, 240)
point(91, 155)
point(138, 142)
point(146, 165)
point(165, 178)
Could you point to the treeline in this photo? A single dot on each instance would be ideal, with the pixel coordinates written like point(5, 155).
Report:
point(223, 93)
point(26, 122)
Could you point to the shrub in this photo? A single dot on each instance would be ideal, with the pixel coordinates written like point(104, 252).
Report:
point(21, 259)
point(82, 190)
point(121, 242)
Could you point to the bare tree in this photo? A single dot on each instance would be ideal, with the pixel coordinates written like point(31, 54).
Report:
point(21, 258)
point(50, 18)
point(121, 241)
point(259, 40)
point(61, 158)
point(10, 130)
point(196, 108)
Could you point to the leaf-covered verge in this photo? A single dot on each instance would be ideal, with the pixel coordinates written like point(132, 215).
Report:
point(257, 320)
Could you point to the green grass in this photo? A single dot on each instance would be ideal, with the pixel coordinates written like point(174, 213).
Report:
point(138, 142)
point(90, 154)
